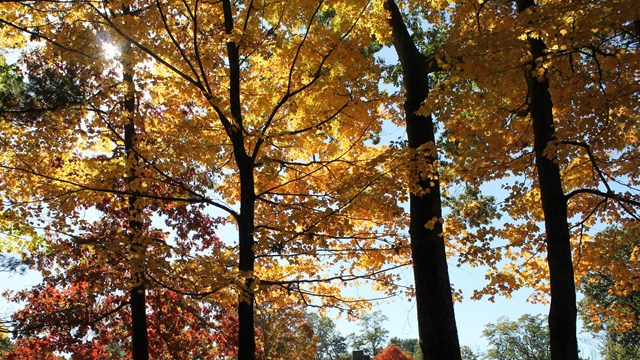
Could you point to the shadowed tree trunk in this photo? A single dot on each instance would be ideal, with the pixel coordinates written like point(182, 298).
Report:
point(436, 319)
point(137, 294)
point(562, 314)
point(246, 218)
point(246, 226)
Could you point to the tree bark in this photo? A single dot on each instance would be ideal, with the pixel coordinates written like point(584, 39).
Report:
point(562, 313)
point(137, 293)
point(246, 227)
point(246, 218)
point(436, 319)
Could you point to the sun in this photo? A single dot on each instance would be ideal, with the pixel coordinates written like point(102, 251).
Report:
point(110, 50)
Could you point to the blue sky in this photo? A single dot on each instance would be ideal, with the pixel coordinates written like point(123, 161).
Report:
point(471, 315)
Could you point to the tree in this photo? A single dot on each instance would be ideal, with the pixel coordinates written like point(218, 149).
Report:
point(434, 302)
point(11, 85)
point(39, 97)
point(5, 346)
point(319, 197)
point(331, 345)
point(527, 338)
point(392, 352)
point(409, 346)
point(468, 354)
point(16, 235)
point(269, 113)
point(285, 333)
point(134, 226)
point(372, 334)
point(562, 314)
point(406, 345)
point(610, 302)
point(177, 326)
point(123, 235)
point(545, 146)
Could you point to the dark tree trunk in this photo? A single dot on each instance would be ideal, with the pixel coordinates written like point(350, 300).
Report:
point(139, 339)
point(436, 319)
point(246, 218)
point(137, 296)
point(562, 314)
point(246, 226)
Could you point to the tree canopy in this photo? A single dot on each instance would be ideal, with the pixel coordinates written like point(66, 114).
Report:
point(188, 176)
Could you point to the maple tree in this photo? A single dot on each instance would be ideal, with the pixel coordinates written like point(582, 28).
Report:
point(317, 184)
point(285, 333)
point(179, 327)
point(269, 113)
point(436, 319)
point(123, 234)
point(410, 346)
point(392, 352)
point(610, 290)
point(562, 314)
point(81, 305)
point(138, 248)
point(569, 109)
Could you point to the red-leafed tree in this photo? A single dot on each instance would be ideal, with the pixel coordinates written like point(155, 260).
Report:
point(81, 305)
point(392, 352)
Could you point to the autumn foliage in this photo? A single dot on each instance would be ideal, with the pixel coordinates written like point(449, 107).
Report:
point(186, 175)
point(392, 352)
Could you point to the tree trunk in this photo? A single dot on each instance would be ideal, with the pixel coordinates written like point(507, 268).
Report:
point(562, 314)
point(137, 296)
point(246, 218)
point(436, 319)
point(246, 227)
